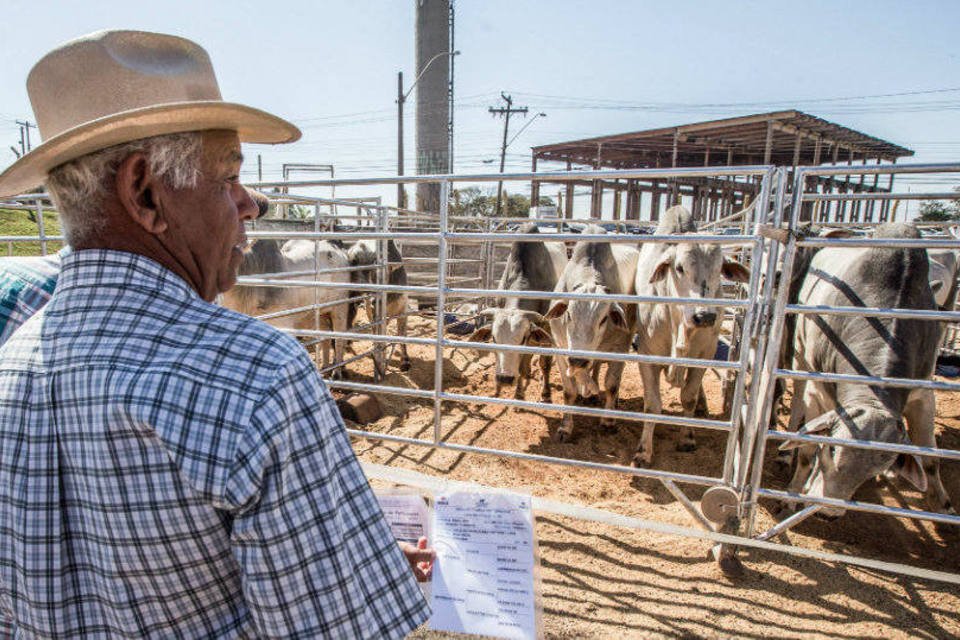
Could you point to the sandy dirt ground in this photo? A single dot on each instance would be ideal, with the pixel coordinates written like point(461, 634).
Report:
point(601, 581)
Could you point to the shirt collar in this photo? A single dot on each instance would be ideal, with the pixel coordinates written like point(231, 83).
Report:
point(118, 269)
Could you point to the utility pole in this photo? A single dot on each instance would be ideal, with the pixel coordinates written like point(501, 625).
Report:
point(500, 111)
point(401, 195)
point(25, 126)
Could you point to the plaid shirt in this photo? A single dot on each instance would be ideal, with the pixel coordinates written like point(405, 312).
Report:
point(170, 468)
point(25, 285)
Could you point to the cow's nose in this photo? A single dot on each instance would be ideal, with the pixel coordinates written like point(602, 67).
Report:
point(704, 318)
point(579, 363)
point(504, 379)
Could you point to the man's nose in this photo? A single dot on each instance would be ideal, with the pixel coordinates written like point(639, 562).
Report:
point(246, 207)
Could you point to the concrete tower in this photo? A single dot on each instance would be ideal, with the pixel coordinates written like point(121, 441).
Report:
point(433, 109)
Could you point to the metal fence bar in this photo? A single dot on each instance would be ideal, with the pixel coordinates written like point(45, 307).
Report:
point(544, 176)
point(731, 460)
point(875, 381)
point(828, 197)
point(875, 312)
point(441, 300)
point(473, 293)
point(532, 457)
point(854, 505)
point(461, 344)
point(875, 445)
point(793, 520)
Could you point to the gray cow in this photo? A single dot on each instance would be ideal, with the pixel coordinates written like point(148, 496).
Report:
point(589, 325)
point(682, 270)
point(869, 277)
point(531, 266)
point(364, 253)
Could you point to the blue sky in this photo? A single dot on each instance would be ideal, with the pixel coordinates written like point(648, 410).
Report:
point(595, 68)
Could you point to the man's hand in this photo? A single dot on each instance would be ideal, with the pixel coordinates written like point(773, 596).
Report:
point(420, 558)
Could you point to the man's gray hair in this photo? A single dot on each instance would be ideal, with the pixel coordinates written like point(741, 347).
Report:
point(79, 187)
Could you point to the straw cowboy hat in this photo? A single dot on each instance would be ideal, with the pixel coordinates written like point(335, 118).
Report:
point(112, 87)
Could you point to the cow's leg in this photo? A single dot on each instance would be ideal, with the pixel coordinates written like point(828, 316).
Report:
point(650, 374)
point(402, 331)
point(611, 390)
point(545, 363)
point(919, 414)
point(399, 310)
point(702, 410)
point(325, 324)
point(569, 397)
point(338, 318)
point(784, 459)
point(523, 377)
point(689, 398)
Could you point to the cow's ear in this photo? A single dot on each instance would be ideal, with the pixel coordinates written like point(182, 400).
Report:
point(661, 271)
point(539, 338)
point(734, 271)
point(617, 316)
point(821, 425)
point(556, 310)
point(480, 335)
point(911, 469)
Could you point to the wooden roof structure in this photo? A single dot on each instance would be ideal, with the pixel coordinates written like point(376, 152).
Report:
point(783, 138)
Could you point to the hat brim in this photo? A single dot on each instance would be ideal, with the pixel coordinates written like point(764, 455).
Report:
point(252, 125)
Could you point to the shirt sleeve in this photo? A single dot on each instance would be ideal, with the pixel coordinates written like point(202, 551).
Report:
point(316, 557)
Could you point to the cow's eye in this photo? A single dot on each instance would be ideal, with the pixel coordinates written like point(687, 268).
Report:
point(680, 269)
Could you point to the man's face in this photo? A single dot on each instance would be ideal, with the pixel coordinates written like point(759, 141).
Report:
point(206, 222)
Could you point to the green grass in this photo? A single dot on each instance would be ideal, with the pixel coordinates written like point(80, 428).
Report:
point(18, 223)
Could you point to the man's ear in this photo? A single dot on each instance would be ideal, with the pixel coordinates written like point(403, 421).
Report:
point(136, 189)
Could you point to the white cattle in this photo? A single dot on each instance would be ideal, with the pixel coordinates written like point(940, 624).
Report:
point(589, 325)
point(864, 345)
point(531, 266)
point(682, 270)
point(270, 257)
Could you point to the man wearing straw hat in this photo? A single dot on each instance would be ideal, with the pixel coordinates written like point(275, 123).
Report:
point(169, 468)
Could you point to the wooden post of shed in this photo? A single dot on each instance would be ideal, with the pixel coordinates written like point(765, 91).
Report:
point(892, 215)
point(858, 204)
point(655, 201)
point(797, 143)
point(568, 211)
point(871, 205)
point(675, 186)
point(633, 200)
point(616, 199)
point(768, 144)
point(596, 191)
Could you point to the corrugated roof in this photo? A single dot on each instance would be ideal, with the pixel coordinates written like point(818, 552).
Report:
point(737, 141)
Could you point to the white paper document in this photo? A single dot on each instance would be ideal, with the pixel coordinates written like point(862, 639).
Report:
point(484, 574)
point(407, 514)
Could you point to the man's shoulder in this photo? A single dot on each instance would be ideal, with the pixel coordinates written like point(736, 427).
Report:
point(248, 347)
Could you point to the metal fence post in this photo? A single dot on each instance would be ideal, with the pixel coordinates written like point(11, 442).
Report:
point(441, 304)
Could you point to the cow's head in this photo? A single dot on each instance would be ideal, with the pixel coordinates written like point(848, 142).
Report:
point(836, 471)
point(511, 327)
point(693, 270)
point(583, 324)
